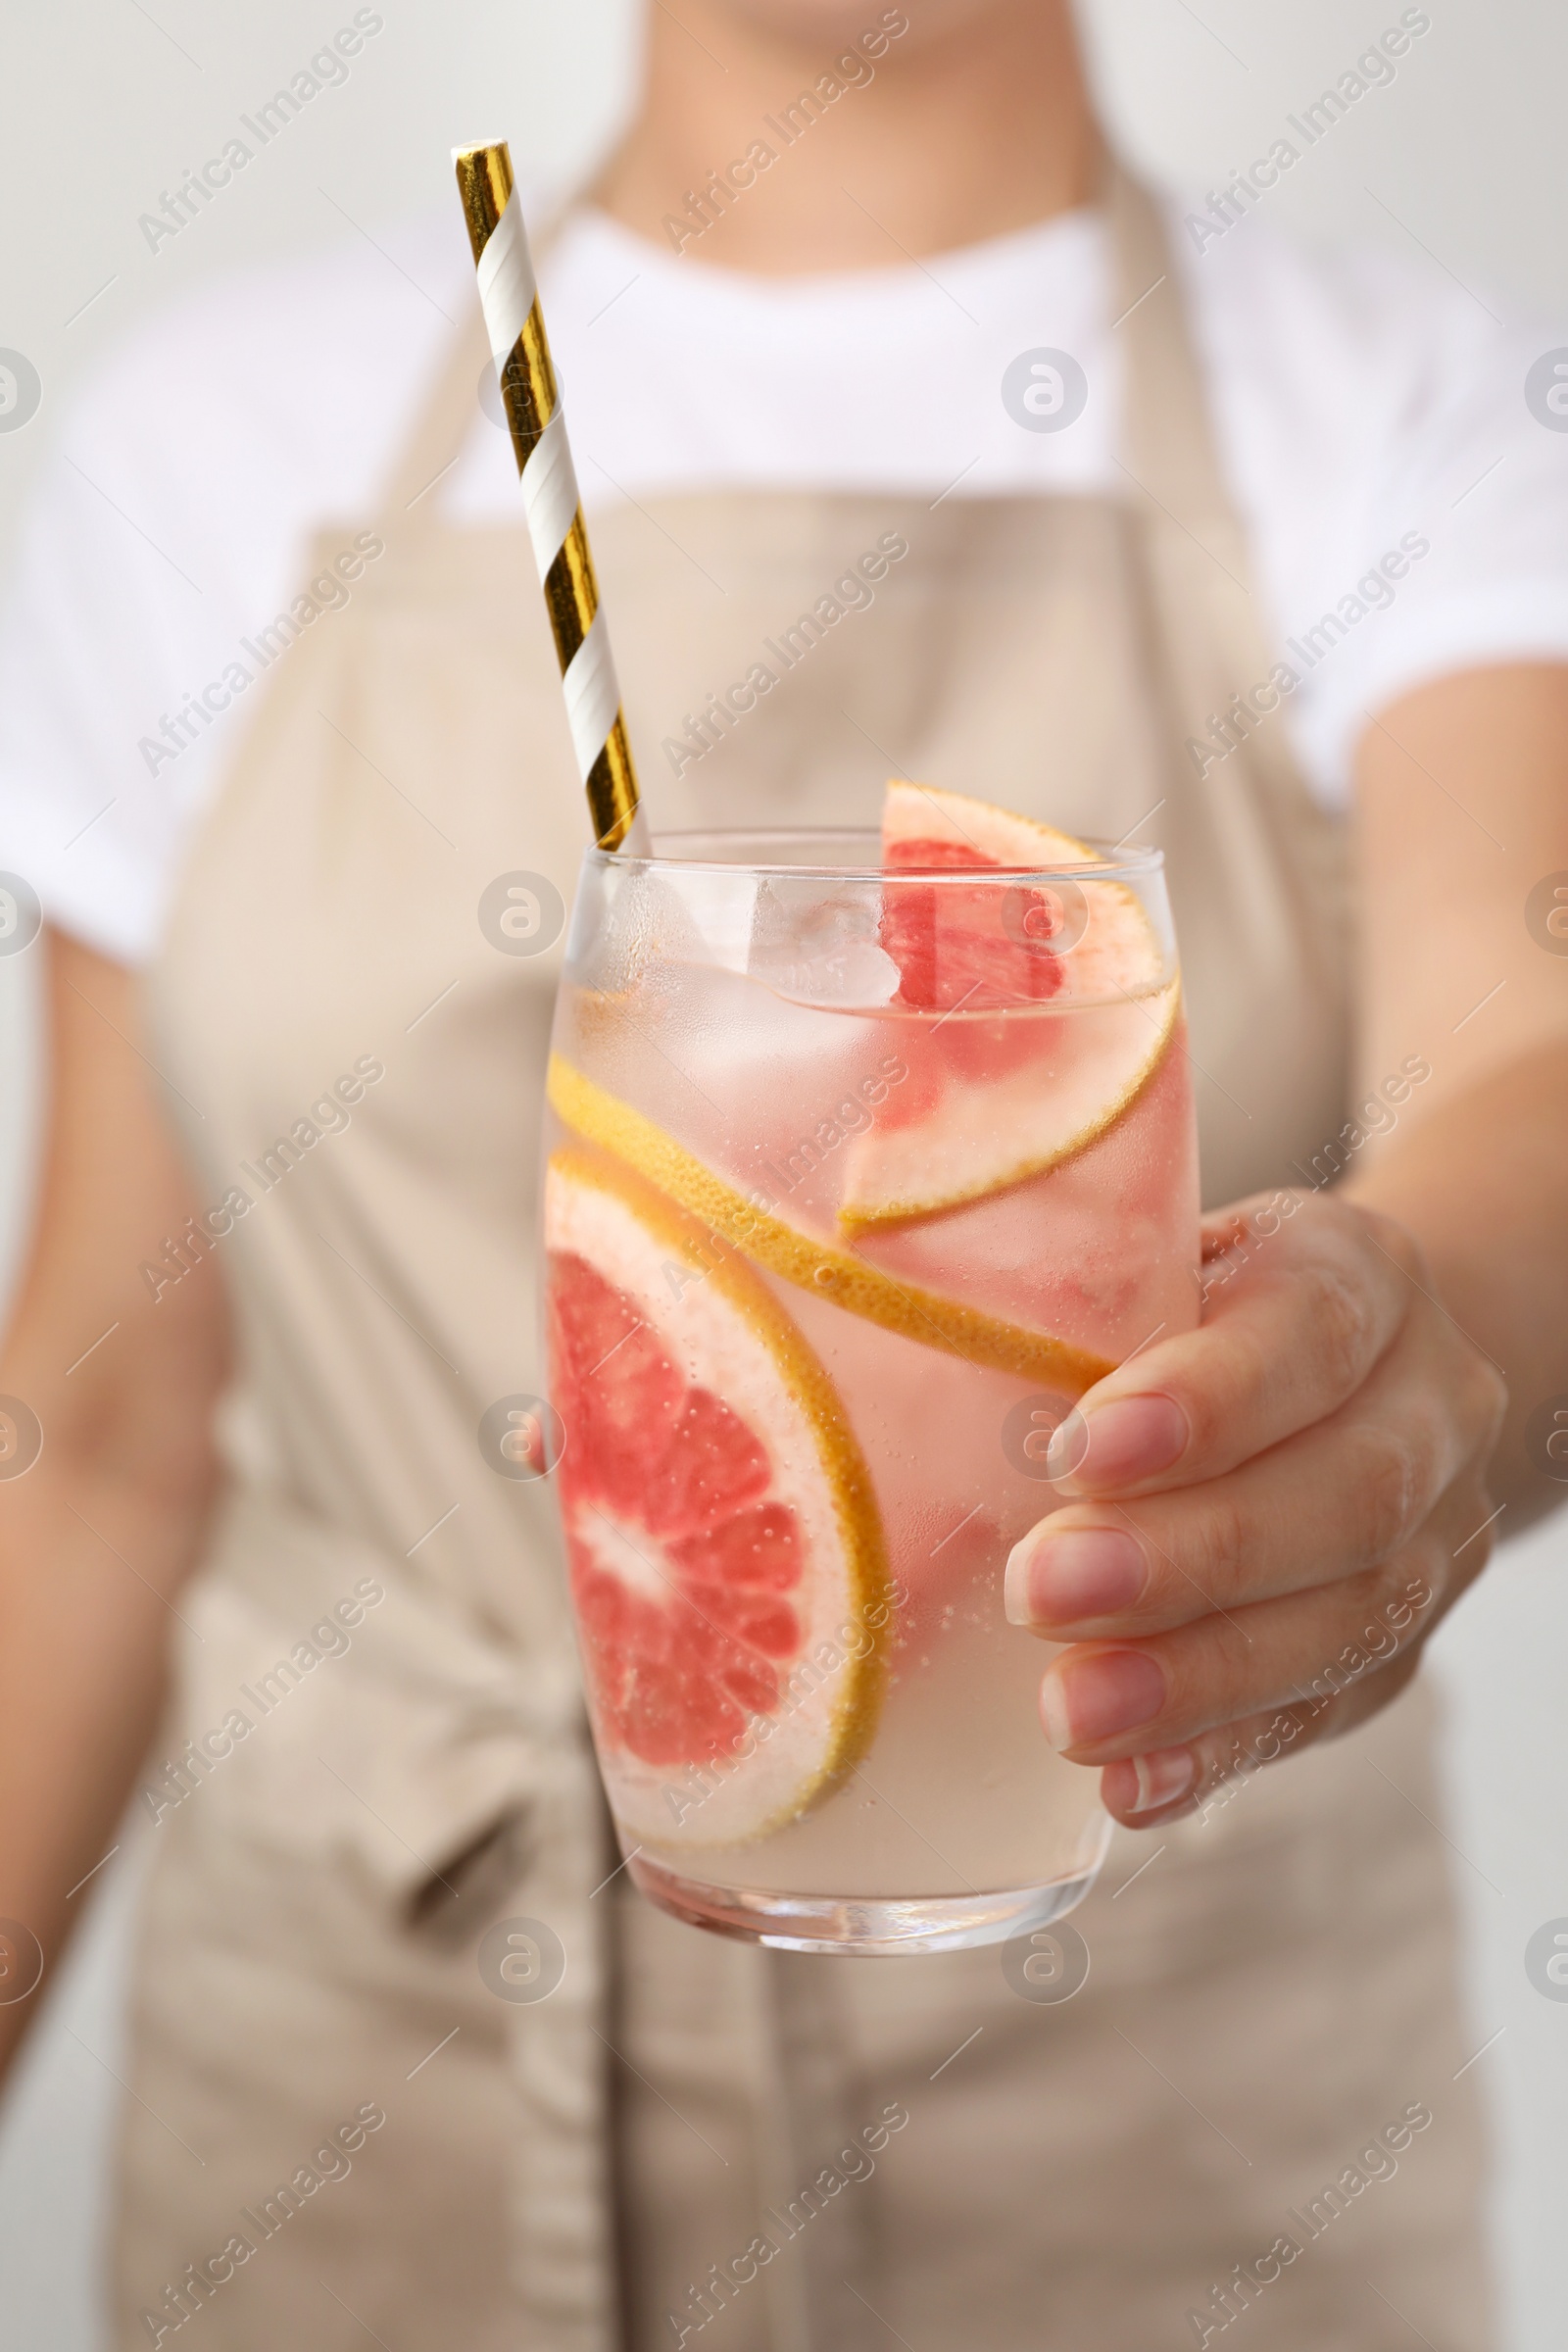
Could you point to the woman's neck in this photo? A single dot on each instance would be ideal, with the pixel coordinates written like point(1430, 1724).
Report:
point(940, 137)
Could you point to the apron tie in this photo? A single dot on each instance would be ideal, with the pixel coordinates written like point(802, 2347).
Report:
point(381, 1730)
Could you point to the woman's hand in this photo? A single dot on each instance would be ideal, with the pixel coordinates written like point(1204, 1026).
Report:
point(1267, 1515)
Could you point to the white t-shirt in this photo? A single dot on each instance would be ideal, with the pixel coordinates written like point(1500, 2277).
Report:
point(1359, 404)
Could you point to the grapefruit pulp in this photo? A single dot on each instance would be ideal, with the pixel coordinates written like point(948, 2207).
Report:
point(726, 1558)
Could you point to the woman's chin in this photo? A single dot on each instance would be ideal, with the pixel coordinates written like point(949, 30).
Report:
point(837, 21)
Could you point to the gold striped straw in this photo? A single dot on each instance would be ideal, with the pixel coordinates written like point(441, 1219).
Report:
point(509, 298)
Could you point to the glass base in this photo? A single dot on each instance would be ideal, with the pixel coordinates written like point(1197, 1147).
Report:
point(874, 1927)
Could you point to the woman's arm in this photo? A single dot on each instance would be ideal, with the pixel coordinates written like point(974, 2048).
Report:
point(98, 1534)
point(1271, 1515)
point(1463, 811)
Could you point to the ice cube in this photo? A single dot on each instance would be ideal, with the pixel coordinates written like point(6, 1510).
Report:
point(819, 945)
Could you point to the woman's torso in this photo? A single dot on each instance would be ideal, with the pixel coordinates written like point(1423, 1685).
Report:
point(1051, 654)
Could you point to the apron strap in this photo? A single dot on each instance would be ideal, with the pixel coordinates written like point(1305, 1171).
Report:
point(448, 412)
point(1167, 438)
point(1175, 486)
point(441, 429)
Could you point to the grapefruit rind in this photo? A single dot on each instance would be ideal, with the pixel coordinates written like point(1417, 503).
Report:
point(929, 812)
point(896, 1175)
point(811, 1264)
point(738, 1339)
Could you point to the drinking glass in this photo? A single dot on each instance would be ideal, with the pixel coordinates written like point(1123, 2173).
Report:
point(856, 1179)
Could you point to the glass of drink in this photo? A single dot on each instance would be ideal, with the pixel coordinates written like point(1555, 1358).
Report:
point(865, 1156)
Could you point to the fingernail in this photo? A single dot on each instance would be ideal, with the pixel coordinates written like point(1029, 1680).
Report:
point(1099, 1697)
point(1143, 1784)
point(1162, 1777)
point(1065, 1579)
point(1116, 1444)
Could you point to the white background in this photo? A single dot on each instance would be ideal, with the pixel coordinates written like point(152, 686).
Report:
point(109, 102)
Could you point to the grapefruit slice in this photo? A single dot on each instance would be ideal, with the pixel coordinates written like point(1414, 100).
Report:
point(1018, 1075)
point(726, 1558)
point(800, 1259)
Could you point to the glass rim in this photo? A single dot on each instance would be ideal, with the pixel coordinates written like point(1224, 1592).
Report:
point(1117, 860)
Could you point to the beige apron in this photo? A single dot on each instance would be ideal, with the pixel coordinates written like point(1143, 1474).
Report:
point(1273, 1988)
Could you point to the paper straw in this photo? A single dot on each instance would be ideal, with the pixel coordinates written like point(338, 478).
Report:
point(511, 300)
